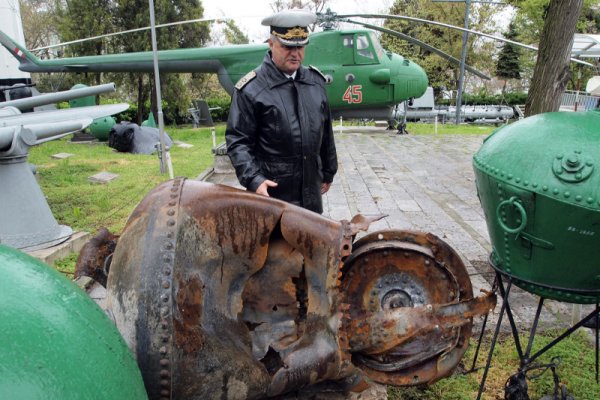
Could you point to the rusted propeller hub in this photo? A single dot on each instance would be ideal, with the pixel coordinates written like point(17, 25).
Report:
point(410, 299)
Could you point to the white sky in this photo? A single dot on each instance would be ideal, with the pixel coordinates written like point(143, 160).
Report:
point(248, 13)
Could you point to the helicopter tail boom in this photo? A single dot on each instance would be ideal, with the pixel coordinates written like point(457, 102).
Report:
point(17, 51)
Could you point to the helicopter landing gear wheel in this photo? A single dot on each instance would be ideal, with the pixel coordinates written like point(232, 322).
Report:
point(410, 307)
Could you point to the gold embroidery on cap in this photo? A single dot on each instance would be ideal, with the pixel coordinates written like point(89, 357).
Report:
point(292, 33)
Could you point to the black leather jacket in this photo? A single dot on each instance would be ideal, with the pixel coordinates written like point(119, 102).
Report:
point(280, 130)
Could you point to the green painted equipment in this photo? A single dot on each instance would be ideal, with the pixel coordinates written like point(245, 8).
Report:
point(539, 184)
point(82, 101)
point(101, 127)
point(56, 342)
point(151, 122)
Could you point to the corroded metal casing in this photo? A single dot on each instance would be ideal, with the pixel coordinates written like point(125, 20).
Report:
point(225, 294)
point(207, 280)
point(539, 184)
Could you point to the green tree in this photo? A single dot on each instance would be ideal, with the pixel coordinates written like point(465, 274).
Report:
point(39, 24)
point(441, 73)
point(529, 21)
point(233, 33)
point(78, 19)
point(130, 14)
point(508, 66)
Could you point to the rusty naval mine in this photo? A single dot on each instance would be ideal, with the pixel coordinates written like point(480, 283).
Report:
point(225, 294)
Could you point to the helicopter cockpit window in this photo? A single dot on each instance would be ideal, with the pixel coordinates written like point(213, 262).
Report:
point(347, 50)
point(377, 45)
point(363, 47)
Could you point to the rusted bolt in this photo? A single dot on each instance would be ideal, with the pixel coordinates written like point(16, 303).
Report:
point(164, 373)
point(163, 350)
point(164, 362)
point(164, 382)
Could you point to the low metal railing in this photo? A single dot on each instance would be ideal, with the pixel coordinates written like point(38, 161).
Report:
point(579, 101)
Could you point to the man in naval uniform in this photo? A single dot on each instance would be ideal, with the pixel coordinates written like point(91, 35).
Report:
point(279, 135)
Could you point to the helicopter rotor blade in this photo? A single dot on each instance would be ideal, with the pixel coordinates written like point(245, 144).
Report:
point(189, 21)
point(421, 44)
point(426, 21)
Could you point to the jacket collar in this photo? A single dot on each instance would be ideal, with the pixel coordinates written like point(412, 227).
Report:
point(276, 77)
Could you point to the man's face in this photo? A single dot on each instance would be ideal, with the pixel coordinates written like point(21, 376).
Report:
point(287, 59)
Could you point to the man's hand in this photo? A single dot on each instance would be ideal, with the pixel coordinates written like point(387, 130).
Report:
point(325, 187)
point(262, 189)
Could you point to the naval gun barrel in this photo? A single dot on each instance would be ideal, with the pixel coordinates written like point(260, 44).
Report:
point(32, 134)
point(43, 99)
point(40, 126)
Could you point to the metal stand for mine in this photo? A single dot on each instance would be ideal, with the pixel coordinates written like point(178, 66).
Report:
point(503, 284)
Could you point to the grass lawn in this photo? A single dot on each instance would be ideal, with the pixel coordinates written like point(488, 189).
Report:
point(576, 371)
point(449, 129)
point(86, 206)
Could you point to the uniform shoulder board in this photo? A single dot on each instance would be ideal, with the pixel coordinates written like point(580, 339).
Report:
point(319, 72)
point(245, 79)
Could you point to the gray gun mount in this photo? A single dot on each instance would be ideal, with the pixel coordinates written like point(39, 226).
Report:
point(26, 221)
